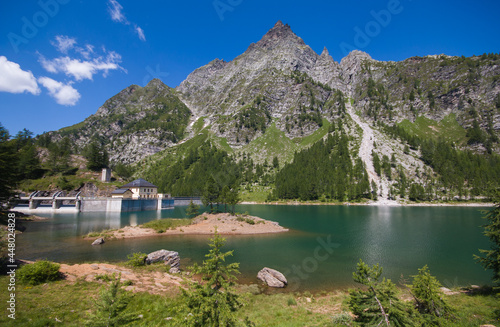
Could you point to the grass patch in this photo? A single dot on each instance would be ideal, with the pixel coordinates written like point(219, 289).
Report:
point(221, 143)
point(198, 125)
point(256, 193)
point(309, 140)
point(70, 303)
point(161, 225)
point(104, 233)
point(447, 129)
point(273, 143)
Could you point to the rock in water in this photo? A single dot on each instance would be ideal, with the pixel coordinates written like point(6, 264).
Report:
point(272, 278)
point(99, 241)
point(171, 258)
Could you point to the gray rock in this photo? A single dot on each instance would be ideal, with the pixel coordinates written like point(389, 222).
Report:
point(272, 278)
point(174, 271)
point(99, 241)
point(447, 291)
point(170, 258)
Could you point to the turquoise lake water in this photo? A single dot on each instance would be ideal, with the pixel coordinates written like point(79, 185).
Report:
point(319, 253)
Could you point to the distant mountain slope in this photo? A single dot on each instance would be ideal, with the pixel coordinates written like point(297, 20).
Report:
point(432, 87)
point(280, 80)
point(137, 122)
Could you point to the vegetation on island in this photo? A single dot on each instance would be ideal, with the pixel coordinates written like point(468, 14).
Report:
point(161, 225)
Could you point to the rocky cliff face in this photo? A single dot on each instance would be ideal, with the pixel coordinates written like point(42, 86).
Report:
point(278, 80)
point(281, 81)
point(137, 122)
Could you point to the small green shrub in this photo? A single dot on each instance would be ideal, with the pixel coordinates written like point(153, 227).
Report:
point(342, 319)
point(105, 277)
point(136, 259)
point(127, 283)
point(247, 220)
point(291, 301)
point(162, 225)
point(39, 272)
point(250, 221)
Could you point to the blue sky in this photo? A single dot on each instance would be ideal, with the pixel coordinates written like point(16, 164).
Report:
point(62, 59)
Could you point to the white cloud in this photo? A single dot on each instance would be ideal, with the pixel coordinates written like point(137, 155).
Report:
point(115, 10)
point(64, 94)
point(64, 43)
point(86, 51)
point(140, 33)
point(82, 69)
point(15, 80)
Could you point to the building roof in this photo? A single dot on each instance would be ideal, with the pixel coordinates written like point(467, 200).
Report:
point(121, 191)
point(139, 183)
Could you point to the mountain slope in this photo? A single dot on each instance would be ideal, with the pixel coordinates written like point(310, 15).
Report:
point(277, 80)
point(137, 122)
point(280, 98)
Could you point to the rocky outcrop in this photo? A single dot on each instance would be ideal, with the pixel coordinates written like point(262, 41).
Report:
point(133, 124)
point(274, 80)
point(272, 278)
point(170, 258)
point(99, 241)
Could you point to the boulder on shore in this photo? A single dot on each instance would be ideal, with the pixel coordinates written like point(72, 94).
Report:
point(272, 278)
point(99, 241)
point(170, 258)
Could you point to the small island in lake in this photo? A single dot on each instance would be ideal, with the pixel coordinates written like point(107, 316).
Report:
point(225, 223)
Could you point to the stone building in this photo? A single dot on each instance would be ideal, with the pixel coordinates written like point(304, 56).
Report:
point(141, 189)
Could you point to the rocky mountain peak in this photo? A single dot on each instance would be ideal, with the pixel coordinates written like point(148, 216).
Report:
point(355, 55)
point(278, 34)
point(156, 83)
point(325, 53)
point(351, 65)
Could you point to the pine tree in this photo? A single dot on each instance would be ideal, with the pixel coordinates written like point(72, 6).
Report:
point(374, 191)
point(7, 157)
point(213, 303)
point(97, 156)
point(427, 294)
point(378, 304)
point(491, 258)
point(110, 307)
point(211, 193)
point(376, 164)
point(192, 209)
point(232, 198)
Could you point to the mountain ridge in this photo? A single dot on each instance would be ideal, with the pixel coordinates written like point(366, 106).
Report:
point(280, 81)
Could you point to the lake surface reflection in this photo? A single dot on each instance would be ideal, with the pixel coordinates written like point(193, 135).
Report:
point(320, 252)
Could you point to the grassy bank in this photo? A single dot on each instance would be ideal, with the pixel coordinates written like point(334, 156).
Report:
point(70, 303)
